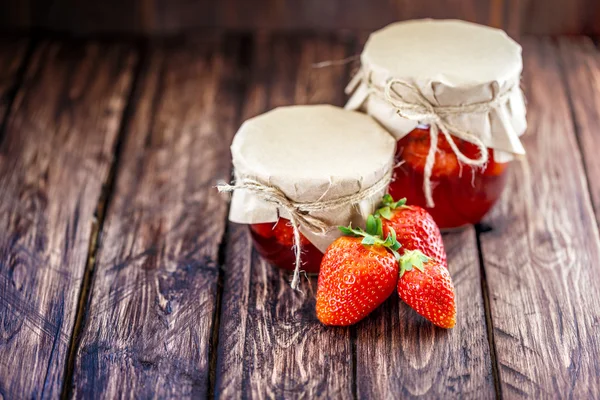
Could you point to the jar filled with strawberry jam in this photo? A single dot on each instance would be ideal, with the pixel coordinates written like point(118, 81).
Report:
point(302, 171)
point(274, 241)
point(449, 92)
point(462, 195)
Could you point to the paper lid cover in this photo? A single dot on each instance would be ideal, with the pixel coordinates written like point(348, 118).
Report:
point(450, 63)
point(450, 52)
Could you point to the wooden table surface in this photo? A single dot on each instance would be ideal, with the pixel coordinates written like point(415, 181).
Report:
point(120, 275)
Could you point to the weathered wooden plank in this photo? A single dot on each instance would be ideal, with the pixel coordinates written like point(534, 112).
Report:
point(270, 344)
point(401, 355)
point(541, 258)
point(149, 324)
point(233, 321)
point(12, 54)
point(580, 61)
point(55, 156)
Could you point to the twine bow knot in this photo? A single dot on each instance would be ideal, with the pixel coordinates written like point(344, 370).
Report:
point(421, 110)
point(301, 212)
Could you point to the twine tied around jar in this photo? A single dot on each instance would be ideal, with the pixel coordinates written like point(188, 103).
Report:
point(300, 212)
point(421, 110)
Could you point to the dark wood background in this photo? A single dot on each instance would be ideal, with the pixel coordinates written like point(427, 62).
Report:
point(120, 275)
point(168, 17)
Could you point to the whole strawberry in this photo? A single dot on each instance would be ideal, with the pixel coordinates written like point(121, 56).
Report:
point(425, 285)
point(415, 228)
point(356, 275)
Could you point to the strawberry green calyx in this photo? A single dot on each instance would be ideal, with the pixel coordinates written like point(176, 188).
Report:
point(373, 235)
point(388, 205)
point(410, 259)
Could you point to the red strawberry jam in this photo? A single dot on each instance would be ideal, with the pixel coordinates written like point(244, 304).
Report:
point(275, 240)
point(461, 195)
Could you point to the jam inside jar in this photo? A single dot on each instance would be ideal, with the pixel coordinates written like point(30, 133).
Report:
point(274, 241)
point(462, 194)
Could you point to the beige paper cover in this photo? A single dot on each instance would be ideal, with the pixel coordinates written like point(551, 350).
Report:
point(311, 153)
point(452, 63)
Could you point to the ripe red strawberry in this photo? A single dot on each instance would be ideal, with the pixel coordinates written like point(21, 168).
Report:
point(356, 276)
point(415, 228)
point(425, 285)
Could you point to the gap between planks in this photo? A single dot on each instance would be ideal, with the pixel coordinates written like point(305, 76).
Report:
point(489, 322)
point(97, 225)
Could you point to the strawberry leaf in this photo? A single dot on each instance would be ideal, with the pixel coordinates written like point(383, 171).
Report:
point(371, 225)
point(387, 199)
point(348, 231)
point(373, 235)
point(389, 205)
point(369, 240)
point(399, 203)
point(395, 245)
point(379, 227)
point(385, 212)
point(392, 233)
point(410, 259)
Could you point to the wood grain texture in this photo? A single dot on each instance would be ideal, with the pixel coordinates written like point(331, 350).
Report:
point(270, 343)
point(401, 355)
point(580, 62)
point(149, 324)
point(54, 158)
point(541, 258)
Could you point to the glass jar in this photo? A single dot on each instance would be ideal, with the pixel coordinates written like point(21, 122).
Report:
point(274, 241)
point(308, 163)
point(465, 79)
point(462, 194)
